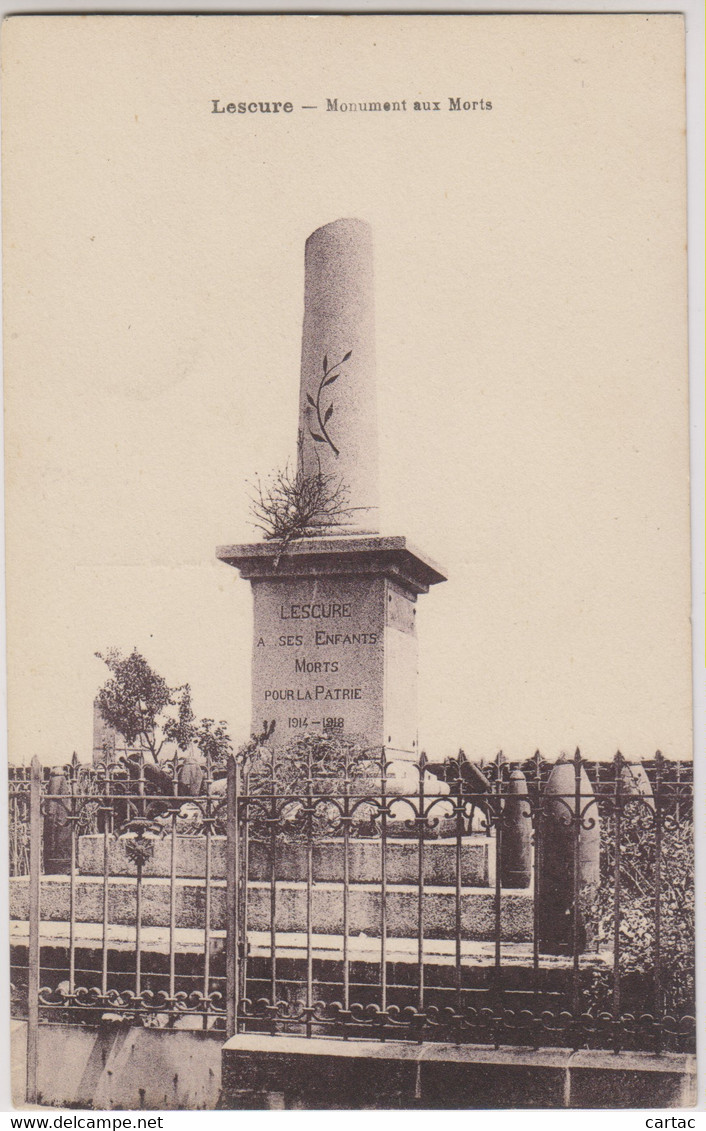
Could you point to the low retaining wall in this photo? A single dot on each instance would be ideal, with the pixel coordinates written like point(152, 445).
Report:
point(117, 1067)
point(282, 1072)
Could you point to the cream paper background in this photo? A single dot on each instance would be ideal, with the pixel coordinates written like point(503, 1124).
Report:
point(531, 313)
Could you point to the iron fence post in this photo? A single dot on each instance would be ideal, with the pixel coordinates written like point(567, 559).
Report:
point(659, 817)
point(208, 829)
point(33, 971)
point(232, 886)
point(383, 893)
point(617, 832)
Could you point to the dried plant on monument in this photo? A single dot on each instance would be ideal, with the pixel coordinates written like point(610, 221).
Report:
point(294, 505)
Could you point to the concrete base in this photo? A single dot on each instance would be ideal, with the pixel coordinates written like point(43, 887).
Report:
point(284, 1072)
point(114, 1067)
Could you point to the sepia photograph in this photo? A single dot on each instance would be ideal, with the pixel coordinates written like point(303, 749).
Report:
point(348, 562)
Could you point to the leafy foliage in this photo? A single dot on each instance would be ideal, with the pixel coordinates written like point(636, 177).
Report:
point(213, 740)
point(319, 767)
point(139, 704)
point(637, 917)
point(133, 699)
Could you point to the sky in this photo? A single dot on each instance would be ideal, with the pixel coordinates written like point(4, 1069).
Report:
point(531, 358)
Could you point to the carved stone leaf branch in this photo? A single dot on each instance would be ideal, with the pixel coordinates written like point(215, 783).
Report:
point(331, 373)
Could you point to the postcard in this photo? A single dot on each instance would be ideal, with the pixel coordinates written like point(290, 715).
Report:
point(348, 561)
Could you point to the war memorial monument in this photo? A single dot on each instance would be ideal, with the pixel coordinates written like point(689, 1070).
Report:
point(334, 635)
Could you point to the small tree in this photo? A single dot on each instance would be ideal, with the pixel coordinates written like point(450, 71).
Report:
point(141, 706)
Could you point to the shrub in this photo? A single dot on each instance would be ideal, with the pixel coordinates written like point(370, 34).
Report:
point(637, 911)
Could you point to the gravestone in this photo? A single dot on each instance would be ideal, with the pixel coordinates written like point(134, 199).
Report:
point(334, 633)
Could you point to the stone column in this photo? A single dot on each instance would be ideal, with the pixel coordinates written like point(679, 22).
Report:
point(337, 404)
point(334, 634)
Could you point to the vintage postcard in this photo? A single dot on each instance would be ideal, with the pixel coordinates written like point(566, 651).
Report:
point(347, 495)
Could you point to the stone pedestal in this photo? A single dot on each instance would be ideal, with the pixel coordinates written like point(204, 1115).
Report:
point(334, 637)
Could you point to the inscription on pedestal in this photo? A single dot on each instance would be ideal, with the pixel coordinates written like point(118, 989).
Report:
point(319, 658)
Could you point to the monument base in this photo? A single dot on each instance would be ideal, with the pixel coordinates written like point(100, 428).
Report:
point(334, 637)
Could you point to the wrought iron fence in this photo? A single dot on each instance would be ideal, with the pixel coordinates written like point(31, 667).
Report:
point(18, 820)
point(106, 926)
point(567, 943)
point(330, 890)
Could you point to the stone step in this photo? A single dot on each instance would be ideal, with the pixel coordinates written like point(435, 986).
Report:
point(402, 859)
point(293, 944)
point(364, 905)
